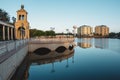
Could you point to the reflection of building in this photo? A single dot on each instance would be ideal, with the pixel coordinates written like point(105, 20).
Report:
point(22, 25)
point(101, 43)
point(101, 30)
point(85, 43)
point(84, 30)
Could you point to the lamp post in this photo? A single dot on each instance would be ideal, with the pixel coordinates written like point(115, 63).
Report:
point(52, 28)
point(74, 27)
point(67, 32)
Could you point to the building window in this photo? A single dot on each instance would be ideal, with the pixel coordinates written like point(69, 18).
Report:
point(19, 17)
point(22, 17)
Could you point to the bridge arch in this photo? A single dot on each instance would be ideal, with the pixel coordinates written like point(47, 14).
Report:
point(70, 47)
point(42, 51)
point(60, 49)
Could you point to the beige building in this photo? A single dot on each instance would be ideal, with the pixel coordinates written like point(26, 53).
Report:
point(84, 30)
point(102, 30)
point(22, 25)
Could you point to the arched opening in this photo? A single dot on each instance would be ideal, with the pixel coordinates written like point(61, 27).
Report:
point(19, 17)
point(71, 47)
point(21, 32)
point(22, 17)
point(42, 51)
point(60, 49)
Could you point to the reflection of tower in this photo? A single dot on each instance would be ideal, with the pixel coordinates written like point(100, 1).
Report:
point(74, 31)
point(22, 25)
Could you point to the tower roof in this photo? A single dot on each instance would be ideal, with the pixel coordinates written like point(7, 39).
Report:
point(22, 9)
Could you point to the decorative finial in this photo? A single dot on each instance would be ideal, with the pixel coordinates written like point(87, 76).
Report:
point(22, 6)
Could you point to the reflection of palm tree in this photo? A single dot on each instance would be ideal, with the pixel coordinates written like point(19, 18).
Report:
point(53, 70)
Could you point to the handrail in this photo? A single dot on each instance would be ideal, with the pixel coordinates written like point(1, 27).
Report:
point(7, 46)
point(52, 40)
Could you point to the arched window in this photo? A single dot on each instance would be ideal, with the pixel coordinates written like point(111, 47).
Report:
point(19, 17)
point(22, 17)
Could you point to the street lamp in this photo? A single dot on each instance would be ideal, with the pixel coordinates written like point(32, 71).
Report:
point(67, 32)
point(74, 27)
point(52, 28)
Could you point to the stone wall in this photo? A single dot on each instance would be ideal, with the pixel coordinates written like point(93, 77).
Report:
point(8, 67)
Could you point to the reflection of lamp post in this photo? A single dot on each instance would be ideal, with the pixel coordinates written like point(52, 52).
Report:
point(73, 59)
point(53, 70)
point(67, 65)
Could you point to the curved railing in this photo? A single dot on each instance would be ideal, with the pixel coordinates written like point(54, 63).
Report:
point(51, 40)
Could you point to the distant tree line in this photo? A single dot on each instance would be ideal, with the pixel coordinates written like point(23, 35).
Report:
point(38, 33)
point(114, 35)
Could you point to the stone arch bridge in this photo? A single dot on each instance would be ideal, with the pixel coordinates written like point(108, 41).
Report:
point(53, 44)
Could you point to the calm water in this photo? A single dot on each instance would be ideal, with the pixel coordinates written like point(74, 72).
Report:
point(92, 59)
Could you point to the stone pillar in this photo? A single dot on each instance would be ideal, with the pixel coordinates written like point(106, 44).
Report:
point(8, 33)
point(3, 32)
point(11, 33)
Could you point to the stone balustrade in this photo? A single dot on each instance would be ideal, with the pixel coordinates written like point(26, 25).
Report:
point(51, 40)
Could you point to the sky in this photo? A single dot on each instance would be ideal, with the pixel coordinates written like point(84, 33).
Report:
point(64, 14)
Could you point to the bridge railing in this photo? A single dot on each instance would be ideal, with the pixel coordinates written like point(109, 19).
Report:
point(51, 40)
point(7, 46)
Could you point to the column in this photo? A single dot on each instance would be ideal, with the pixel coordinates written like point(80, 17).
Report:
point(3, 32)
point(14, 33)
point(11, 33)
point(8, 33)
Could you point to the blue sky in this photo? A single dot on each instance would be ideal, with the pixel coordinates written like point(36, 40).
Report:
point(63, 14)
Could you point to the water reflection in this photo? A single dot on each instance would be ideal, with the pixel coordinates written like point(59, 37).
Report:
point(90, 64)
point(84, 45)
point(101, 43)
point(22, 72)
point(85, 42)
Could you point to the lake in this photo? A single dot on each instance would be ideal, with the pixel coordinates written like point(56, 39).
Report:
point(91, 59)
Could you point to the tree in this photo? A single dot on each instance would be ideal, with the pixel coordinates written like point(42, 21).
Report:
point(112, 35)
point(35, 33)
point(4, 16)
point(50, 33)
